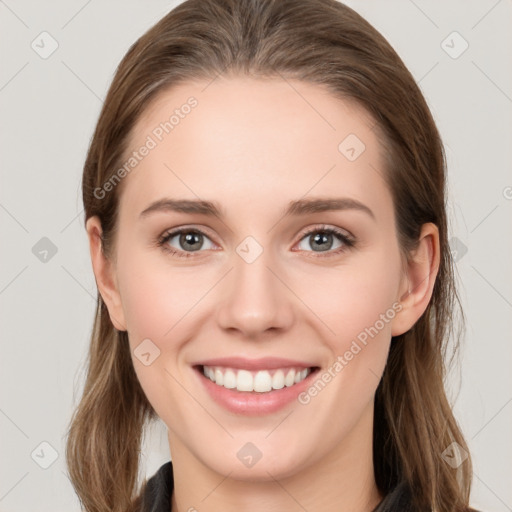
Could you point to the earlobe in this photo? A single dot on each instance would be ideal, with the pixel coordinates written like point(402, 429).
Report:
point(104, 274)
point(418, 283)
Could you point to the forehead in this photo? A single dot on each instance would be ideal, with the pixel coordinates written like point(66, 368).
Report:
point(255, 145)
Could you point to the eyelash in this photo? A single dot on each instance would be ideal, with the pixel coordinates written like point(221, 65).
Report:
point(348, 242)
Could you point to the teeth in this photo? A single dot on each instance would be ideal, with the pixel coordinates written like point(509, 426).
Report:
point(219, 377)
point(244, 381)
point(300, 376)
point(261, 381)
point(229, 379)
point(289, 379)
point(278, 380)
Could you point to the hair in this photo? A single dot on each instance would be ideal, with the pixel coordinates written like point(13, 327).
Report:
point(321, 42)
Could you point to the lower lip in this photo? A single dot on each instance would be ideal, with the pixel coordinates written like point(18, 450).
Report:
point(251, 403)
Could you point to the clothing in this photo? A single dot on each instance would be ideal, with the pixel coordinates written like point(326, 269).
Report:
point(399, 499)
point(157, 494)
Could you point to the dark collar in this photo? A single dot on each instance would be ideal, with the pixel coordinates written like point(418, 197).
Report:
point(156, 495)
point(399, 499)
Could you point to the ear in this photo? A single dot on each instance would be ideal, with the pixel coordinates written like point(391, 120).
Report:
point(104, 272)
point(419, 279)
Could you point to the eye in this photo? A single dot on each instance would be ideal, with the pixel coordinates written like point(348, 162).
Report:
point(325, 237)
point(188, 240)
point(192, 240)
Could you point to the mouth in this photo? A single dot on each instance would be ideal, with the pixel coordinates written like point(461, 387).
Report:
point(256, 381)
point(254, 388)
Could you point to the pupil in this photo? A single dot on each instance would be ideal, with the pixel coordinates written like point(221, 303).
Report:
point(190, 239)
point(323, 238)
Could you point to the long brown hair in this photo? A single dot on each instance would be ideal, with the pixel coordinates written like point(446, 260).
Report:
point(321, 42)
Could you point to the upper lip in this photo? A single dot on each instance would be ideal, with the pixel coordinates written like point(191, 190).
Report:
point(264, 363)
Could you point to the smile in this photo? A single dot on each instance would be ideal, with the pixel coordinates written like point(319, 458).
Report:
point(261, 381)
point(254, 387)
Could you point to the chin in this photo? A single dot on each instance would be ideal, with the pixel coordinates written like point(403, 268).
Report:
point(260, 459)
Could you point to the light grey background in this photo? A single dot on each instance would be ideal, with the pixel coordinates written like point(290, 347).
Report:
point(49, 107)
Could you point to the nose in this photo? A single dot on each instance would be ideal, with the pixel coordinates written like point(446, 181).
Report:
point(255, 298)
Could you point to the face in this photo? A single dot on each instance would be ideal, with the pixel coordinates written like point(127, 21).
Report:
point(300, 301)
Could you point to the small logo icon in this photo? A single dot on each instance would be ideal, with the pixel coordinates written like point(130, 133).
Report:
point(44, 250)
point(454, 45)
point(44, 45)
point(351, 147)
point(249, 249)
point(146, 352)
point(44, 455)
point(249, 454)
point(457, 248)
point(455, 455)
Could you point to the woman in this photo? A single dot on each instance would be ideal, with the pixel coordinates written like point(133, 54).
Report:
point(265, 205)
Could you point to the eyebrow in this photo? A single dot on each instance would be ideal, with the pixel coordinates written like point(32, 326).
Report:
point(298, 207)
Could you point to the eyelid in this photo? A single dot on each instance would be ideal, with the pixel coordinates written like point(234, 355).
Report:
point(304, 232)
point(326, 227)
point(348, 242)
point(192, 228)
point(170, 233)
point(346, 238)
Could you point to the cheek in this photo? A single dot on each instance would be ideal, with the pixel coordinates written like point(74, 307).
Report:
point(358, 304)
point(156, 297)
point(158, 303)
point(354, 298)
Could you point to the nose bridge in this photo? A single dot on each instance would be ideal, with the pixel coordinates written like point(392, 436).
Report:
point(255, 300)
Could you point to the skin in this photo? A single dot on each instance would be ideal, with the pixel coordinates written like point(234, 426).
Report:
point(254, 145)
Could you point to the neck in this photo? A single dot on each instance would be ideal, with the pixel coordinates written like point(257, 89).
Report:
point(341, 481)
